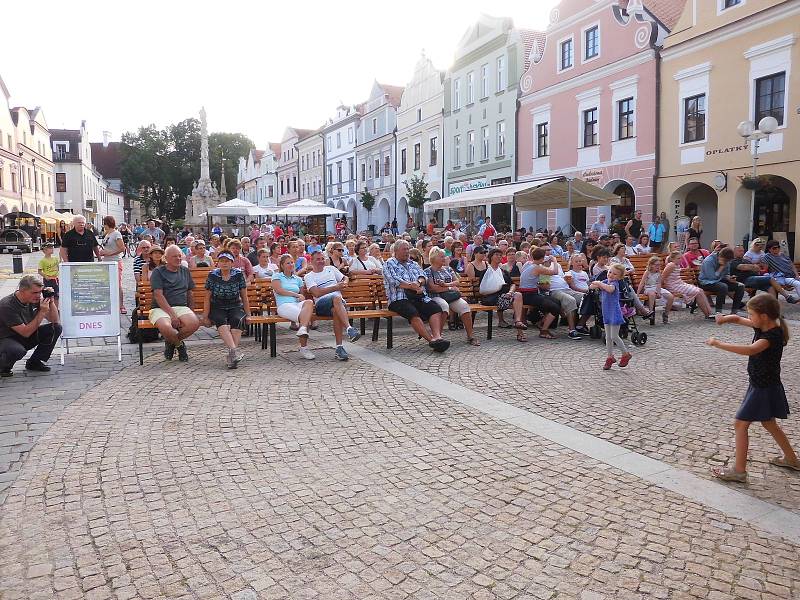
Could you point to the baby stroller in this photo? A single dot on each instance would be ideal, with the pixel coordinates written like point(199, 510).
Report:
point(629, 328)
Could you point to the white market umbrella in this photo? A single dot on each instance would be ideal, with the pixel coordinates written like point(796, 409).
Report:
point(54, 215)
point(309, 208)
point(238, 208)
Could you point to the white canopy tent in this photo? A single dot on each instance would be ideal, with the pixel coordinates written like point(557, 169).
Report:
point(308, 208)
point(240, 208)
point(543, 194)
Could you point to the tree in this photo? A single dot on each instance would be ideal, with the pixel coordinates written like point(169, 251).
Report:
point(417, 193)
point(368, 202)
point(161, 166)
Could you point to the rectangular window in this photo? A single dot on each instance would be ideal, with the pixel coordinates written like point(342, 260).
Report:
point(370, 170)
point(484, 142)
point(417, 155)
point(457, 151)
point(434, 156)
point(770, 94)
point(419, 115)
point(591, 42)
point(330, 173)
point(456, 94)
point(282, 192)
point(484, 81)
point(377, 168)
point(363, 172)
point(542, 142)
point(330, 145)
point(501, 73)
point(625, 119)
point(338, 139)
point(403, 161)
point(351, 168)
point(270, 191)
point(566, 54)
point(470, 87)
point(14, 181)
point(694, 118)
point(294, 184)
point(374, 126)
point(590, 127)
point(501, 138)
point(349, 135)
point(470, 147)
point(732, 3)
point(339, 171)
point(387, 166)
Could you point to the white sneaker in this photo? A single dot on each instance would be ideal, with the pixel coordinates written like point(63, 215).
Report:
point(306, 353)
point(302, 331)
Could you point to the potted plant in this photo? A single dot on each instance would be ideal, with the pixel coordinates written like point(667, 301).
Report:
point(755, 183)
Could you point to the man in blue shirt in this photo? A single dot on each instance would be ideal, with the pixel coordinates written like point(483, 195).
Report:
point(408, 298)
point(715, 277)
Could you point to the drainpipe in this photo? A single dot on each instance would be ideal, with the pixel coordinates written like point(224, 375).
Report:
point(658, 140)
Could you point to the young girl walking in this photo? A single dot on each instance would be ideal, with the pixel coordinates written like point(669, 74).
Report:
point(765, 400)
point(612, 314)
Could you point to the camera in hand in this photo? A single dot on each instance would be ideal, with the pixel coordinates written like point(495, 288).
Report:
point(48, 292)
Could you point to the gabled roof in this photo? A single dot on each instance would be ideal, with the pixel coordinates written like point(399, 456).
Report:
point(666, 11)
point(107, 159)
point(258, 154)
point(529, 37)
point(303, 133)
point(275, 147)
point(394, 93)
point(3, 88)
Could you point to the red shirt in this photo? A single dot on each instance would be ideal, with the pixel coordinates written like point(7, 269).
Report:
point(277, 232)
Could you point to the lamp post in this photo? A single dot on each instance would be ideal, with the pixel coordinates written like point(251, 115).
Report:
point(748, 131)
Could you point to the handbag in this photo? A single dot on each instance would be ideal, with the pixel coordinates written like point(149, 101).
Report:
point(450, 296)
point(492, 282)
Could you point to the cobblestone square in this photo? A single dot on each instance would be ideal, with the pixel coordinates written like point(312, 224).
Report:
point(398, 474)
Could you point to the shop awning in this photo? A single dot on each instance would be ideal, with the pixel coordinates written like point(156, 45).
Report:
point(541, 194)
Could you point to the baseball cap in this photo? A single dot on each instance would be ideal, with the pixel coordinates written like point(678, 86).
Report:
point(227, 255)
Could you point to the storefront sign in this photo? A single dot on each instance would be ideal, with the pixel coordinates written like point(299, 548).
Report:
point(739, 148)
point(592, 175)
point(465, 186)
point(89, 299)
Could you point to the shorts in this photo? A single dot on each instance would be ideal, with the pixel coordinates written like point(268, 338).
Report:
point(53, 283)
point(568, 299)
point(290, 310)
point(324, 306)
point(410, 309)
point(233, 317)
point(156, 314)
point(460, 306)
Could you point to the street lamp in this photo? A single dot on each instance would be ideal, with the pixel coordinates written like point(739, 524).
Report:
point(748, 131)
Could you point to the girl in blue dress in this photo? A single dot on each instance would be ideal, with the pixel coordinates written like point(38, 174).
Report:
point(765, 399)
point(612, 314)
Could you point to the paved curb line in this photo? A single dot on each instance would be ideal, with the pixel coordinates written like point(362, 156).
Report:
point(768, 517)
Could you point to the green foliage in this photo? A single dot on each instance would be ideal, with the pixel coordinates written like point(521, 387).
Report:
point(367, 200)
point(160, 166)
point(416, 191)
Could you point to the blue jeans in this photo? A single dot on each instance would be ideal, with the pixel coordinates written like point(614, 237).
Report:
point(758, 282)
point(324, 305)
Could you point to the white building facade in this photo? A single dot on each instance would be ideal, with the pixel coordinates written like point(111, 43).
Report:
point(341, 184)
point(256, 180)
point(420, 125)
point(311, 166)
point(10, 194)
point(376, 142)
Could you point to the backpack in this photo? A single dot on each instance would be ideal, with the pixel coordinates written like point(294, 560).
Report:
point(136, 335)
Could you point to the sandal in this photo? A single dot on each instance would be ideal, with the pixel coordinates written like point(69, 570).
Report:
point(546, 335)
point(729, 474)
point(780, 461)
point(503, 325)
point(473, 341)
point(520, 325)
point(521, 336)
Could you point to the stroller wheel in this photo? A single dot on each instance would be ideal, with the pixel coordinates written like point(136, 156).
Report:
point(635, 338)
point(642, 338)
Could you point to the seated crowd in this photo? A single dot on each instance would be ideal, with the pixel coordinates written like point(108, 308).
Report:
point(520, 272)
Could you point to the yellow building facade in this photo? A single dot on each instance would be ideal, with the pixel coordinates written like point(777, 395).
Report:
point(725, 62)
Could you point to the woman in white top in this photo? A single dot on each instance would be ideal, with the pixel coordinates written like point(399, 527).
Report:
point(113, 251)
point(618, 256)
point(265, 268)
point(363, 263)
point(376, 255)
point(292, 304)
point(643, 247)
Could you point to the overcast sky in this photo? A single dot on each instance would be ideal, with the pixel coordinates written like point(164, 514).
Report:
point(257, 66)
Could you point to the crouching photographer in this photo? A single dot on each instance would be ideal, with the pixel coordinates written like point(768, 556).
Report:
point(21, 329)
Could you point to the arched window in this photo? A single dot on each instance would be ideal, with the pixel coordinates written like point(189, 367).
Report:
point(624, 210)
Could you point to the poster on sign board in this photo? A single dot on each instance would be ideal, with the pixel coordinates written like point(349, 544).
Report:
point(89, 299)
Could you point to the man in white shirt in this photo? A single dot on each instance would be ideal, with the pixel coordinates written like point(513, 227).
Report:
point(325, 284)
point(600, 225)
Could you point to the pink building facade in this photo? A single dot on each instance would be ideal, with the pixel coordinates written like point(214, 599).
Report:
point(588, 106)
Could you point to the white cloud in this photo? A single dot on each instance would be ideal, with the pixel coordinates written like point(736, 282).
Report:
point(256, 66)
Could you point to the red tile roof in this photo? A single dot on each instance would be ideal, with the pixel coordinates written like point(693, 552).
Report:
point(394, 93)
point(666, 11)
point(276, 148)
point(529, 36)
point(107, 159)
point(258, 155)
point(303, 133)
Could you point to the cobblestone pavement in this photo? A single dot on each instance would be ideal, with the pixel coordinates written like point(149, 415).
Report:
point(327, 480)
point(286, 479)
